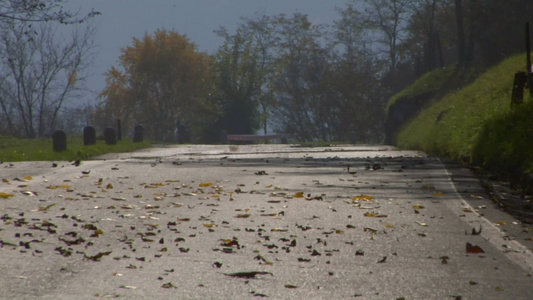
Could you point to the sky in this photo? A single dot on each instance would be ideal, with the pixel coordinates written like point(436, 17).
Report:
point(123, 20)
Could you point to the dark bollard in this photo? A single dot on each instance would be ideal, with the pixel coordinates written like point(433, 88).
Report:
point(59, 141)
point(119, 130)
point(110, 137)
point(224, 137)
point(89, 136)
point(520, 79)
point(138, 134)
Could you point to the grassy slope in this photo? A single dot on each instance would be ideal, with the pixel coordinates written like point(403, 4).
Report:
point(13, 149)
point(452, 126)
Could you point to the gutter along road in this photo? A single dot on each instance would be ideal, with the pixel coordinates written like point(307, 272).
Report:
point(256, 221)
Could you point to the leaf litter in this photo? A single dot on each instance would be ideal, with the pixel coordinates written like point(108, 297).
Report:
point(276, 236)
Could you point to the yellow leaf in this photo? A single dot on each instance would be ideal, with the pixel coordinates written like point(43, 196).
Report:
point(206, 184)
point(28, 178)
point(389, 226)
point(243, 216)
point(5, 195)
point(109, 186)
point(5, 180)
point(418, 206)
point(501, 223)
point(439, 194)
point(369, 214)
point(363, 198)
point(299, 195)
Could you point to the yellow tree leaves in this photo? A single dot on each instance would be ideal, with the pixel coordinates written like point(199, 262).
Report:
point(163, 79)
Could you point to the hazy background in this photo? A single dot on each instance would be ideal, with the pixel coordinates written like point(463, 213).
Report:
point(122, 20)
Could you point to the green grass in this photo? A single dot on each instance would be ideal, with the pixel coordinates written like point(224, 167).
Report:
point(437, 83)
point(477, 124)
point(14, 149)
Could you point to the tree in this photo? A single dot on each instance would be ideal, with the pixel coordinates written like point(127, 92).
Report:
point(164, 81)
point(300, 79)
point(238, 80)
point(39, 11)
point(360, 98)
point(39, 74)
point(388, 18)
point(244, 68)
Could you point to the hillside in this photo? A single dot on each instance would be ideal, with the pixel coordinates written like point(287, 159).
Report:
point(475, 124)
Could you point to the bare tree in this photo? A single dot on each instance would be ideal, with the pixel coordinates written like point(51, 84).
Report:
point(40, 11)
point(39, 74)
point(389, 19)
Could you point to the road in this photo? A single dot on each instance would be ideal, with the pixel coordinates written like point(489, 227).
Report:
point(257, 221)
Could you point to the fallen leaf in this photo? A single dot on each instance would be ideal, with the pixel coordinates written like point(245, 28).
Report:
point(473, 249)
point(250, 274)
point(6, 195)
point(298, 195)
point(382, 260)
point(230, 243)
point(474, 232)
point(291, 286)
point(363, 198)
point(168, 285)
point(243, 216)
point(370, 229)
point(444, 259)
point(98, 256)
point(130, 287)
point(439, 194)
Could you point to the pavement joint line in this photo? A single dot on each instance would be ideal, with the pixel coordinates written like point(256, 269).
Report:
point(523, 258)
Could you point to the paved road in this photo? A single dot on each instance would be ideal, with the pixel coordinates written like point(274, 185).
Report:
point(246, 222)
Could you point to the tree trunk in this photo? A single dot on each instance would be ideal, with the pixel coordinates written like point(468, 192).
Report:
point(461, 45)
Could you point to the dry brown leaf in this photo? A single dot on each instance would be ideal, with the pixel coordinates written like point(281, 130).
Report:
point(473, 249)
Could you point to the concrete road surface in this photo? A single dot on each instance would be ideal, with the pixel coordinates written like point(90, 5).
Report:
point(251, 222)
